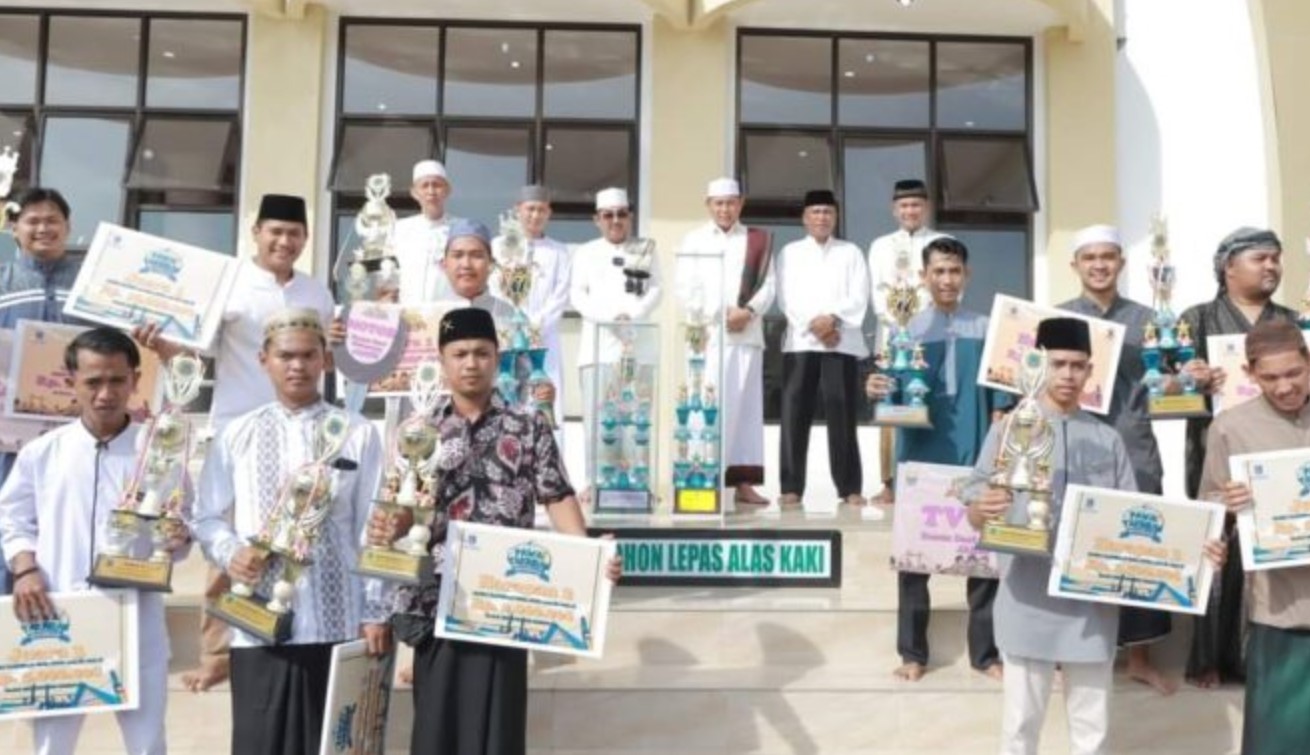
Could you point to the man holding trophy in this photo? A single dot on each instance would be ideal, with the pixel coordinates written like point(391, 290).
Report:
point(284, 498)
point(57, 505)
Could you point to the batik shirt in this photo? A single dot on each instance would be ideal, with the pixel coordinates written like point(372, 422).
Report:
point(494, 470)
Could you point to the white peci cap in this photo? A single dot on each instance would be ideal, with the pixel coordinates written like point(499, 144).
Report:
point(429, 169)
point(1096, 234)
point(611, 199)
point(723, 187)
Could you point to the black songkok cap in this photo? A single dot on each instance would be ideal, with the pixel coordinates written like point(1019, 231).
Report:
point(820, 197)
point(1064, 334)
point(283, 207)
point(465, 324)
point(909, 187)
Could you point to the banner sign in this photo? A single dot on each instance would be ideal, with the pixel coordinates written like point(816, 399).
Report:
point(729, 558)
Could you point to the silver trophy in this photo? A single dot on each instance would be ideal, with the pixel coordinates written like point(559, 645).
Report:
point(370, 270)
point(8, 169)
point(1023, 464)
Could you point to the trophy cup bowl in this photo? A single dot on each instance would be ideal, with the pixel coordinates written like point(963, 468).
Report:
point(407, 559)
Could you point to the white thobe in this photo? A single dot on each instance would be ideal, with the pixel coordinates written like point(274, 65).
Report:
point(240, 383)
point(57, 504)
point(547, 299)
point(823, 279)
point(709, 277)
point(882, 263)
point(419, 244)
point(239, 487)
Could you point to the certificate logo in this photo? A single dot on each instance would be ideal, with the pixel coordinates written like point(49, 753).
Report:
point(1144, 521)
point(1303, 477)
point(163, 263)
point(47, 629)
point(343, 731)
point(530, 559)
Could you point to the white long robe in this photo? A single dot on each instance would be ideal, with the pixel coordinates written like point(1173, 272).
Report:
point(420, 245)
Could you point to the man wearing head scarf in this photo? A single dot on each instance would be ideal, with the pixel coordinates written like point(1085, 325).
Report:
point(1098, 259)
point(1278, 645)
point(725, 272)
point(823, 289)
point(1248, 266)
point(420, 240)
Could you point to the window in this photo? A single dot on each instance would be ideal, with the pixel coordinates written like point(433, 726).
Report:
point(501, 105)
point(134, 118)
point(855, 113)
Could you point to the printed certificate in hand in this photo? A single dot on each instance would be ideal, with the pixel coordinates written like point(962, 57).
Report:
point(1275, 530)
point(1012, 331)
point(38, 387)
point(931, 532)
point(82, 661)
point(131, 278)
point(422, 344)
point(358, 698)
point(1229, 352)
point(1133, 549)
point(525, 588)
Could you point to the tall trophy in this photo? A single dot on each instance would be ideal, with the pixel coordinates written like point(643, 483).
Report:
point(901, 357)
point(370, 271)
point(625, 421)
point(1166, 340)
point(1023, 465)
point(696, 434)
point(153, 500)
point(410, 484)
point(286, 540)
point(8, 169)
point(522, 338)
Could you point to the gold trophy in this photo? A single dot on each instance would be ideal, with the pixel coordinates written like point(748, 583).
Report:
point(287, 539)
point(522, 338)
point(1023, 465)
point(901, 357)
point(153, 499)
point(1167, 340)
point(411, 484)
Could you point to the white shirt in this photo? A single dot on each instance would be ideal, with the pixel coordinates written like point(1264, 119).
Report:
point(240, 383)
point(419, 245)
point(712, 279)
point(243, 476)
point(882, 263)
point(549, 295)
point(597, 292)
point(823, 279)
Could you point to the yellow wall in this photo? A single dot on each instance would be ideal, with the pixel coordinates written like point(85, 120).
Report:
point(1080, 139)
point(1282, 43)
point(284, 93)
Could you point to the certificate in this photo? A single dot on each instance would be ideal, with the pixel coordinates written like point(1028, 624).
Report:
point(1275, 530)
point(83, 661)
point(359, 695)
point(1133, 549)
point(1012, 331)
point(38, 383)
point(1229, 352)
point(131, 278)
point(525, 588)
point(930, 529)
point(15, 433)
point(422, 325)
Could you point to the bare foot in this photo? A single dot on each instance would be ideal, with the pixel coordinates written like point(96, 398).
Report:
point(407, 676)
point(1208, 680)
point(910, 672)
point(995, 672)
point(884, 497)
point(1140, 670)
point(207, 675)
point(747, 494)
point(789, 501)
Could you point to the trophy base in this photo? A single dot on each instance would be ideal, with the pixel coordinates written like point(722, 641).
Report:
point(697, 501)
point(899, 415)
point(251, 615)
point(1181, 406)
point(393, 565)
point(1016, 539)
point(138, 573)
point(617, 501)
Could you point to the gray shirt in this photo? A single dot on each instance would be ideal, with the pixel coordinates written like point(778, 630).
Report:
point(1129, 401)
point(1029, 623)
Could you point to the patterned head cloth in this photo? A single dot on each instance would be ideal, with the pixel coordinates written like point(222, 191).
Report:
point(293, 318)
point(1241, 240)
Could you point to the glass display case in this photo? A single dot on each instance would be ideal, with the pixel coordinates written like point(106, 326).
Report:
point(697, 427)
point(621, 417)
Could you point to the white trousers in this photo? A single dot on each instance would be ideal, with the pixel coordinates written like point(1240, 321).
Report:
point(742, 398)
point(1028, 689)
point(142, 729)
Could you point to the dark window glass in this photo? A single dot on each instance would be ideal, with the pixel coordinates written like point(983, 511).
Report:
point(572, 230)
point(194, 63)
point(785, 166)
point(883, 82)
point(391, 69)
point(490, 72)
point(377, 148)
point(84, 159)
point(986, 174)
point(582, 161)
point(870, 168)
point(18, 57)
point(982, 85)
point(184, 153)
point(786, 79)
point(998, 263)
point(93, 61)
point(492, 164)
point(215, 231)
point(590, 74)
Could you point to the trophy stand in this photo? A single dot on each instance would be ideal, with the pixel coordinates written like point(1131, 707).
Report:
point(522, 365)
point(624, 393)
point(1167, 340)
point(901, 358)
point(697, 430)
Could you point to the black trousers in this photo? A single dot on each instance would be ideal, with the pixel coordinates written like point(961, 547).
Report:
point(469, 699)
point(809, 377)
point(278, 698)
point(1217, 639)
point(914, 607)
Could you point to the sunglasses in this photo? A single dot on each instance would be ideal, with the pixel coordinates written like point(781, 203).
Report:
point(615, 214)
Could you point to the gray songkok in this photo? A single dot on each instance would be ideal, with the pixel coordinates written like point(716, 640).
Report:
point(1241, 240)
point(465, 227)
point(534, 193)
